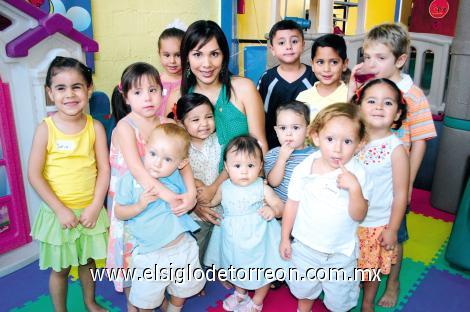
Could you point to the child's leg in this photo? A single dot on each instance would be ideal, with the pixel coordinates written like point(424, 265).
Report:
point(305, 305)
point(88, 286)
point(390, 296)
point(370, 291)
point(260, 294)
point(130, 306)
point(58, 282)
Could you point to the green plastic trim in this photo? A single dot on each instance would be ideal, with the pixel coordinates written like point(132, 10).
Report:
point(456, 123)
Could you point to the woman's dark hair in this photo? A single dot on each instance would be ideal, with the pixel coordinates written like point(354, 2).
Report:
point(359, 96)
point(131, 77)
point(170, 33)
point(244, 144)
point(119, 110)
point(199, 34)
point(60, 62)
point(187, 103)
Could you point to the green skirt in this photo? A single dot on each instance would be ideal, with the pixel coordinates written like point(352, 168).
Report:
point(61, 248)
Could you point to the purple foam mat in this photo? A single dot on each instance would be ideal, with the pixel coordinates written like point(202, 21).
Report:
point(23, 285)
point(440, 291)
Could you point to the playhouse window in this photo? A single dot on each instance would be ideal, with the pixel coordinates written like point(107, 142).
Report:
point(4, 185)
point(427, 71)
point(5, 22)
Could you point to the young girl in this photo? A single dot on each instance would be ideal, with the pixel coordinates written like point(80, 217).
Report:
point(387, 164)
point(238, 107)
point(327, 198)
point(248, 236)
point(141, 89)
point(169, 44)
point(68, 167)
point(196, 113)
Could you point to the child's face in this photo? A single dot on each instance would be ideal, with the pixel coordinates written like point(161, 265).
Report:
point(69, 92)
point(170, 55)
point(291, 129)
point(379, 60)
point(379, 107)
point(243, 169)
point(145, 98)
point(163, 156)
point(199, 122)
point(206, 62)
point(287, 46)
point(328, 66)
point(338, 141)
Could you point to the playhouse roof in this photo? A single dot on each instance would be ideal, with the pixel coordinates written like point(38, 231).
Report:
point(47, 26)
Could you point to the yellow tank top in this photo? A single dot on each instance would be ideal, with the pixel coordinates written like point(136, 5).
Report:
point(70, 166)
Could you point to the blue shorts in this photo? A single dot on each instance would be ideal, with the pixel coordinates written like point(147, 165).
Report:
point(403, 230)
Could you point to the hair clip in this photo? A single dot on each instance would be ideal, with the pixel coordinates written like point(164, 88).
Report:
point(120, 87)
point(175, 117)
point(358, 94)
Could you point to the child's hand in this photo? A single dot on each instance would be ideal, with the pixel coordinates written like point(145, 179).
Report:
point(186, 202)
point(388, 239)
point(67, 218)
point(346, 180)
point(148, 196)
point(285, 151)
point(207, 214)
point(205, 194)
point(285, 249)
point(89, 216)
point(267, 213)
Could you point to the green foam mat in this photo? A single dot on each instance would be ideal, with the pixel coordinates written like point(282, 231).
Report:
point(411, 273)
point(441, 263)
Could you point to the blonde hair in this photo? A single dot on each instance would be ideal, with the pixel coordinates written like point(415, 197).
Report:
point(347, 110)
point(394, 36)
point(176, 132)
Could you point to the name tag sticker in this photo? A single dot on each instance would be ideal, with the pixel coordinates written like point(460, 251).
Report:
point(63, 145)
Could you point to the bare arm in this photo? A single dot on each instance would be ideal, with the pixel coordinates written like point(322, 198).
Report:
point(217, 198)
point(288, 218)
point(206, 192)
point(418, 148)
point(89, 216)
point(273, 201)
point(400, 173)
point(276, 175)
point(172, 99)
point(126, 212)
point(357, 203)
point(254, 110)
point(37, 159)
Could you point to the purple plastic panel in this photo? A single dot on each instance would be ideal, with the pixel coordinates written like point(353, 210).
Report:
point(48, 25)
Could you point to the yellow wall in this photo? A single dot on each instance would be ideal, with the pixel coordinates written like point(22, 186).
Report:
point(377, 12)
point(127, 32)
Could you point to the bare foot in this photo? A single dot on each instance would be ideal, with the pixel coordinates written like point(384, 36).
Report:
point(390, 296)
point(94, 307)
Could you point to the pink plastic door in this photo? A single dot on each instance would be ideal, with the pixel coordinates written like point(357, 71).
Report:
point(14, 221)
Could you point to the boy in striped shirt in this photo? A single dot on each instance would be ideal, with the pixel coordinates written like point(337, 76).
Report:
point(292, 120)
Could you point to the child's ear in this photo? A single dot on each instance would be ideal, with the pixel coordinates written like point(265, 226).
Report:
point(398, 115)
point(315, 139)
point(49, 94)
point(345, 64)
point(183, 163)
point(271, 48)
point(90, 90)
point(401, 60)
